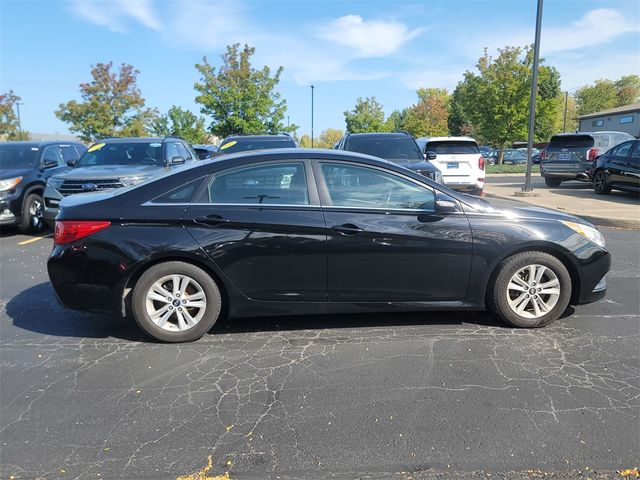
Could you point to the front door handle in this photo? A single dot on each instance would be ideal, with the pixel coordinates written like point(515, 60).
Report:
point(347, 229)
point(210, 220)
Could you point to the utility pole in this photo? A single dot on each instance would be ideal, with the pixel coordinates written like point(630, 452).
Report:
point(564, 121)
point(312, 87)
point(19, 121)
point(532, 99)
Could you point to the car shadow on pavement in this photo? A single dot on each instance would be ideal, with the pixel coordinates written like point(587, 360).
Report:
point(36, 309)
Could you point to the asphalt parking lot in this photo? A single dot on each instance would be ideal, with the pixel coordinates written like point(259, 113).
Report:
point(86, 396)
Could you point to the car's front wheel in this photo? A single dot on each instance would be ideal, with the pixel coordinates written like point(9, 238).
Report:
point(531, 289)
point(552, 182)
point(32, 214)
point(176, 302)
point(600, 184)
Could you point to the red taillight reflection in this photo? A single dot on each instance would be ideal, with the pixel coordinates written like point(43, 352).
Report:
point(543, 155)
point(68, 231)
point(481, 163)
point(592, 153)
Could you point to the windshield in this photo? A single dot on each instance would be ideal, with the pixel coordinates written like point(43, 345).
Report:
point(458, 147)
point(18, 156)
point(243, 144)
point(138, 153)
point(389, 148)
point(571, 141)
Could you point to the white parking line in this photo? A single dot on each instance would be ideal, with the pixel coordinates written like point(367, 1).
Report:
point(32, 240)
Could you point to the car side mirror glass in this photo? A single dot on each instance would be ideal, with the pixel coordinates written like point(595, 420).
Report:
point(446, 204)
point(203, 154)
point(72, 162)
point(46, 164)
point(177, 160)
point(431, 155)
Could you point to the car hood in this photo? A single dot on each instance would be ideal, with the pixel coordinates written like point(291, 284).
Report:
point(413, 164)
point(522, 213)
point(111, 171)
point(14, 172)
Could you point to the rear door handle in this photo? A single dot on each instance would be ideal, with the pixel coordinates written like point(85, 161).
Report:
point(347, 229)
point(210, 220)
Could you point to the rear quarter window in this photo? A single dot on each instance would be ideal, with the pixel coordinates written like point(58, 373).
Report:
point(182, 194)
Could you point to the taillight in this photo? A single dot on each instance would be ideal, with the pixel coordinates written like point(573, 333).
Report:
point(481, 163)
point(68, 231)
point(543, 155)
point(592, 153)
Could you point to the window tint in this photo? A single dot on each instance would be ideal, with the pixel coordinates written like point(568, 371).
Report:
point(276, 184)
point(389, 148)
point(452, 147)
point(603, 142)
point(69, 153)
point(136, 153)
point(353, 186)
point(243, 144)
point(620, 137)
point(622, 150)
point(182, 194)
point(635, 154)
point(575, 141)
point(18, 155)
point(52, 154)
point(182, 151)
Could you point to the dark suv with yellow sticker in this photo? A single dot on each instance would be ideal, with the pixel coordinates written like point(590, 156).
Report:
point(241, 143)
point(115, 163)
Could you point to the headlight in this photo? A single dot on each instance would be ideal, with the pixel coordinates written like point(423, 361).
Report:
point(130, 181)
point(586, 231)
point(9, 183)
point(55, 182)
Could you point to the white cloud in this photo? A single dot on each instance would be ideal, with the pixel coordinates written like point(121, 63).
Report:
point(113, 14)
point(367, 38)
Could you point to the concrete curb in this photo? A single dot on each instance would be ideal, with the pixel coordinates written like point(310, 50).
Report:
point(609, 221)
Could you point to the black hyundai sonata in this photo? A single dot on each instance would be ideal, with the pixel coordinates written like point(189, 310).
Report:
point(297, 231)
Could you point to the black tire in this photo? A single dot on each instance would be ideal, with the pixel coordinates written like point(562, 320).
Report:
point(157, 272)
point(498, 293)
point(32, 215)
point(552, 182)
point(600, 184)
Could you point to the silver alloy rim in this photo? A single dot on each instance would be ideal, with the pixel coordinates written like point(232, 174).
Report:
point(176, 303)
point(533, 291)
point(35, 211)
point(600, 181)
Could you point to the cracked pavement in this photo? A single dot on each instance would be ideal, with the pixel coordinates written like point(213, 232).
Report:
point(87, 396)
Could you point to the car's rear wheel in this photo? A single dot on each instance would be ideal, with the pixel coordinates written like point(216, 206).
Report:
point(552, 182)
point(176, 302)
point(531, 289)
point(600, 184)
point(32, 214)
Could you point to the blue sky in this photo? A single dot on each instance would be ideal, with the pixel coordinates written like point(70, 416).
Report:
point(347, 49)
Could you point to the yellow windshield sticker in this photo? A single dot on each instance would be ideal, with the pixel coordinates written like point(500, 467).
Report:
point(227, 145)
point(95, 147)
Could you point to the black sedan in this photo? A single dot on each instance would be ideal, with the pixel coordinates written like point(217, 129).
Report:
point(299, 231)
point(618, 168)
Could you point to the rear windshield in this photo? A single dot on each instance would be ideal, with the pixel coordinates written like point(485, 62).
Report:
point(138, 153)
point(457, 147)
point(572, 141)
point(244, 144)
point(18, 156)
point(389, 148)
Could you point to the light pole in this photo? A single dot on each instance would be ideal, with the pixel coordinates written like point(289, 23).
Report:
point(312, 87)
point(19, 122)
point(532, 99)
point(564, 121)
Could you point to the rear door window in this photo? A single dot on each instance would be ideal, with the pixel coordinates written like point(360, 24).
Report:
point(571, 141)
point(458, 147)
point(69, 153)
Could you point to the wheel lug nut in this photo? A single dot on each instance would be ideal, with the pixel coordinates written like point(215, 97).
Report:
point(177, 295)
point(184, 301)
point(170, 308)
point(527, 295)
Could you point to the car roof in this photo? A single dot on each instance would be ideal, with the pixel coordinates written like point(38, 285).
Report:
point(379, 134)
point(445, 139)
point(261, 137)
point(137, 139)
point(600, 132)
point(44, 143)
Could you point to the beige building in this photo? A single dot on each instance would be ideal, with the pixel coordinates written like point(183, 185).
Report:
point(621, 119)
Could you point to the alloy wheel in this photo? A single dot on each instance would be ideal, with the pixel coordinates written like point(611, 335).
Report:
point(533, 291)
point(176, 302)
point(36, 214)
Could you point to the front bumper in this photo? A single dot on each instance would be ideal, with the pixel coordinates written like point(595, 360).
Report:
point(593, 283)
point(52, 199)
point(10, 209)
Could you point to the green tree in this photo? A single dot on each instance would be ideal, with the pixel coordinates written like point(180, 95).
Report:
point(305, 141)
point(458, 121)
point(599, 96)
point(328, 138)
point(181, 123)
point(239, 98)
point(366, 116)
point(495, 101)
point(549, 104)
point(627, 90)
point(111, 105)
point(9, 127)
point(396, 120)
point(430, 115)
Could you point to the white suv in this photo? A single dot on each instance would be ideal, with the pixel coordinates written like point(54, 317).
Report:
point(459, 160)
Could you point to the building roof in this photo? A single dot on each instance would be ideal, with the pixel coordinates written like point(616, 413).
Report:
point(632, 107)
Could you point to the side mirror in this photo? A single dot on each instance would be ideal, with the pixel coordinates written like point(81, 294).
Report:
point(49, 164)
point(72, 163)
point(446, 204)
point(431, 155)
point(177, 160)
point(203, 154)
